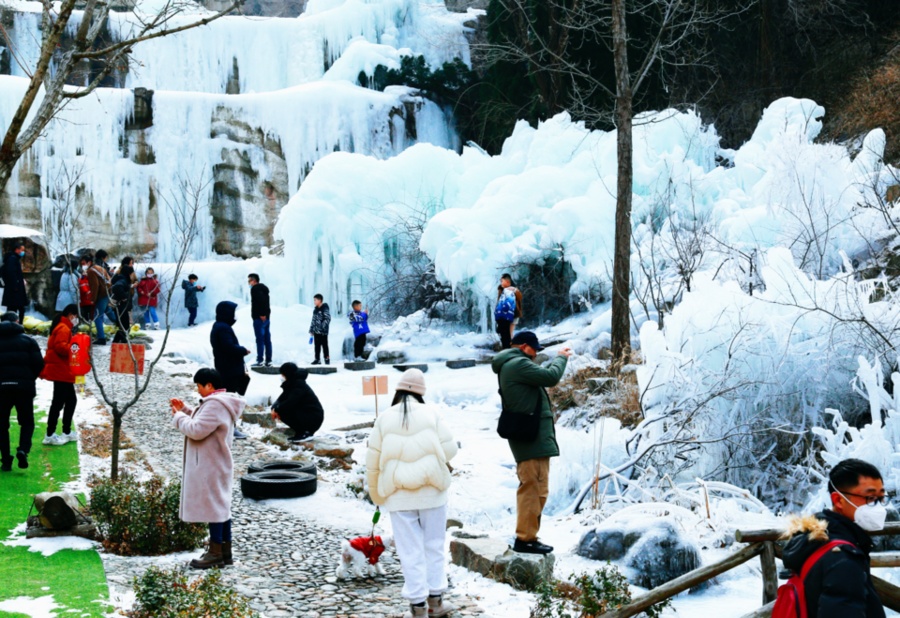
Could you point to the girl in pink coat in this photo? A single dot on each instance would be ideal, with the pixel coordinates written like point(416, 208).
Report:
point(208, 471)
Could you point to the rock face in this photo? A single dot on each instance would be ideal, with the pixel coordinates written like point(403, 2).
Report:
point(263, 419)
point(653, 548)
point(391, 357)
point(494, 559)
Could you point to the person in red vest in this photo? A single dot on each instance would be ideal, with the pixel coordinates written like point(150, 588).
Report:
point(57, 369)
point(20, 366)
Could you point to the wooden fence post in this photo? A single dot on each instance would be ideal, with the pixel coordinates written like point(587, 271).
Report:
point(769, 572)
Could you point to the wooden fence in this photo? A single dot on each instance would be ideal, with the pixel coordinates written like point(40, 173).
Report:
point(761, 543)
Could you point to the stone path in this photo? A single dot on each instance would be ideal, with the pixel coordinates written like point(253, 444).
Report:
point(283, 564)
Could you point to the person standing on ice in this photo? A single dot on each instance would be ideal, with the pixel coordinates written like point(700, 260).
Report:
point(359, 320)
point(191, 303)
point(261, 312)
point(318, 328)
point(148, 298)
point(15, 298)
point(508, 309)
point(839, 584)
point(20, 365)
point(522, 383)
point(407, 473)
point(228, 354)
point(207, 465)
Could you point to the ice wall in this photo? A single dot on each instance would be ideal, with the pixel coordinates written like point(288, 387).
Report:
point(551, 192)
point(244, 153)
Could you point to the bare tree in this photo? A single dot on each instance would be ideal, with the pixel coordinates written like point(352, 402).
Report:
point(62, 219)
point(48, 93)
point(185, 203)
point(674, 35)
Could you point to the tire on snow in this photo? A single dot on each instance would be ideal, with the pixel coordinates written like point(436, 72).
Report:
point(307, 467)
point(278, 484)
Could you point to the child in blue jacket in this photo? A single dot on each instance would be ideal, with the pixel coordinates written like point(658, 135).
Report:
point(359, 319)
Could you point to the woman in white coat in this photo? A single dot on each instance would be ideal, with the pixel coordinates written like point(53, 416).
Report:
point(407, 471)
point(208, 468)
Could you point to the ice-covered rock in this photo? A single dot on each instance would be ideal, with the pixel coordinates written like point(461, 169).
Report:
point(493, 558)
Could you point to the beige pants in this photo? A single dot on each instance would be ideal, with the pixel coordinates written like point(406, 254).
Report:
point(534, 487)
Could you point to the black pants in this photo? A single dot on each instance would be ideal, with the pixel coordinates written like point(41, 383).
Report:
point(237, 383)
point(304, 425)
point(123, 322)
point(359, 346)
point(503, 329)
point(23, 402)
point(321, 342)
point(64, 399)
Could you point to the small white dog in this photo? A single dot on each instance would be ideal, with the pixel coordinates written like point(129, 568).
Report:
point(359, 556)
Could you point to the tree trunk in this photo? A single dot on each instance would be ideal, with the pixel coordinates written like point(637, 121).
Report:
point(116, 435)
point(621, 285)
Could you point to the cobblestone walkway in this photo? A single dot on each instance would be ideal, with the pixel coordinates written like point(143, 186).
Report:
point(283, 564)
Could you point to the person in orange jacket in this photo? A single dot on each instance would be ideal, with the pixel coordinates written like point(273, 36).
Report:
point(57, 370)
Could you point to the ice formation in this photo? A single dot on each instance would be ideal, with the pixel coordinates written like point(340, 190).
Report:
point(551, 192)
point(287, 96)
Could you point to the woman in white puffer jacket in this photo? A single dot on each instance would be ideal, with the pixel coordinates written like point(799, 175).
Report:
point(406, 467)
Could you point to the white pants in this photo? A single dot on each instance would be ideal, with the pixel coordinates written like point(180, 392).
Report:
point(419, 537)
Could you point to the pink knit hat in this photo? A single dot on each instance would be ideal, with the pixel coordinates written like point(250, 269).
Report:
point(412, 380)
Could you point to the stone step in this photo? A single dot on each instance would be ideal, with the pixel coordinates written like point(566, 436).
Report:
point(423, 367)
point(463, 363)
point(269, 371)
point(321, 370)
point(359, 365)
point(493, 558)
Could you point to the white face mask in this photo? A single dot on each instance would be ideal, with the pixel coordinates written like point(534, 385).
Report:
point(869, 517)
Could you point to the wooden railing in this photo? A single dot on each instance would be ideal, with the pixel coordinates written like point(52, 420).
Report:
point(760, 543)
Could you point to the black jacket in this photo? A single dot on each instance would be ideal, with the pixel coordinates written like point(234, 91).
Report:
point(839, 585)
point(21, 361)
point(298, 405)
point(14, 295)
point(120, 292)
point(227, 352)
point(320, 320)
point(259, 301)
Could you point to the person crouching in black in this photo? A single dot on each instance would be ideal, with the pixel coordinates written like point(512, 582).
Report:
point(298, 407)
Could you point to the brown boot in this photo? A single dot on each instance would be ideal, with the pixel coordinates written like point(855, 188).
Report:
point(437, 608)
point(211, 559)
point(227, 560)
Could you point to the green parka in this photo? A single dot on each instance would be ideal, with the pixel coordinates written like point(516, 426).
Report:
point(522, 382)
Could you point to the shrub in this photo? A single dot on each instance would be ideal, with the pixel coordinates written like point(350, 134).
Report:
point(588, 596)
point(141, 519)
point(170, 594)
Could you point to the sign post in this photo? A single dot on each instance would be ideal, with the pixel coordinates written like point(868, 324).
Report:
point(374, 386)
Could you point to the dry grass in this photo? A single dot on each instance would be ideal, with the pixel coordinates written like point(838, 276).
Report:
point(623, 402)
point(97, 441)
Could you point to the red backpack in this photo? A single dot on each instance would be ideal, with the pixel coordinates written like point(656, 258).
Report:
point(791, 599)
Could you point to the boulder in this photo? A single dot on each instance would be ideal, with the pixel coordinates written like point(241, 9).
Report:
point(263, 419)
point(423, 367)
point(653, 548)
point(359, 365)
point(493, 558)
point(58, 510)
point(463, 363)
point(391, 357)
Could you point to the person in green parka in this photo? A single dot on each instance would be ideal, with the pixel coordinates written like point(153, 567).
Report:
point(522, 382)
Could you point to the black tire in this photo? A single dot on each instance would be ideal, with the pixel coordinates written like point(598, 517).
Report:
point(307, 467)
point(278, 484)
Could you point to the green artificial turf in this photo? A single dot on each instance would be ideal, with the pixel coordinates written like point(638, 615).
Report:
point(75, 578)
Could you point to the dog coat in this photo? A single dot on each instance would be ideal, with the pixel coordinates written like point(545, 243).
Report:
point(370, 546)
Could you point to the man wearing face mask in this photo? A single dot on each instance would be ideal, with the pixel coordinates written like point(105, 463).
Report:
point(839, 584)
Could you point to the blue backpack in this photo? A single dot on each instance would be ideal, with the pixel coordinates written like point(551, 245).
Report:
point(506, 307)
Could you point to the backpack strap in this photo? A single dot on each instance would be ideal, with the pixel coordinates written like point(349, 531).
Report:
point(817, 555)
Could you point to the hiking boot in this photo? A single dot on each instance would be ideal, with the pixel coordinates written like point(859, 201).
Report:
point(316, 362)
point(416, 611)
point(437, 607)
point(227, 558)
point(22, 458)
point(531, 547)
point(213, 558)
point(6, 464)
